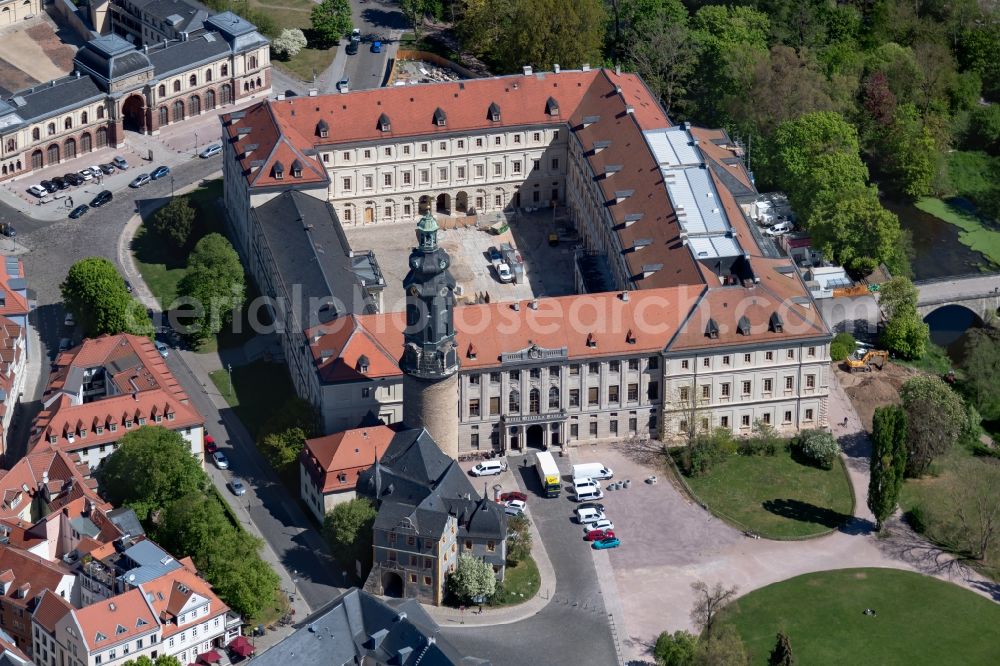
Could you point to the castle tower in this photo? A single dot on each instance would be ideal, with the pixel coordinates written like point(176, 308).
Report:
point(430, 357)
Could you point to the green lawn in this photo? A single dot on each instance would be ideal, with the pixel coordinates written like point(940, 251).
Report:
point(919, 620)
point(934, 362)
point(776, 496)
point(307, 63)
point(974, 233)
point(258, 389)
point(521, 582)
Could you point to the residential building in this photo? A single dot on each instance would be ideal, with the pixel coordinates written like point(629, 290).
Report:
point(24, 577)
point(428, 514)
point(360, 628)
point(41, 483)
point(329, 466)
point(118, 86)
point(10, 654)
point(13, 357)
point(149, 21)
point(106, 387)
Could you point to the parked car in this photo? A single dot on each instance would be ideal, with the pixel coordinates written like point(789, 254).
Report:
point(210, 445)
point(779, 229)
point(488, 468)
point(494, 256)
point(356, 34)
point(68, 320)
point(606, 543)
point(513, 495)
point(515, 507)
point(344, 85)
point(73, 179)
point(211, 151)
point(8, 230)
point(591, 505)
point(236, 485)
point(79, 211)
point(107, 169)
point(120, 163)
point(60, 182)
point(86, 173)
point(163, 349)
point(65, 344)
point(221, 461)
point(376, 46)
point(603, 524)
point(49, 186)
point(159, 172)
point(597, 535)
point(103, 197)
point(139, 180)
point(584, 516)
point(38, 191)
point(504, 274)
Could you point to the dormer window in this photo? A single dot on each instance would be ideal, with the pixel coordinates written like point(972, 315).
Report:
point(278, 171)
point(142, 420)
point(53, 439)
point(296, 169)
point(363, 363)
point(591, 340)
point(323, 129)
point(384, 125)
point(712, 329)
point(743, 326)
point(440, 119)
point(552, 107)
point(99, 430)
point(494, 113)
point(113, 427)
point(776, 324)
point(128, 423)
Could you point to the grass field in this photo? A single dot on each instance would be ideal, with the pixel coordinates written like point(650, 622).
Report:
point(309, 61)
point(776, 496)
point(258, 389)
point(974, 233)
point(919, 620)
point(521, 582)
point(934, 362)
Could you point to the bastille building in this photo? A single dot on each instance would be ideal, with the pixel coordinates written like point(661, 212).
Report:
point(696, 322)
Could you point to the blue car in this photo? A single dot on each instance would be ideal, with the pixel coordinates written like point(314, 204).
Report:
point(604, 544)
point(376, 47)
point(159, 172)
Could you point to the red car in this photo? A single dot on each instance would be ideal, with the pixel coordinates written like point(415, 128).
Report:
point(513, 495)
point(597, 535)
point(210, 445)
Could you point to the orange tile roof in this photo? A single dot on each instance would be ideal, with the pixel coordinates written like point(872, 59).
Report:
point(51, 608)
point(14, 303)
point(28, 568)
point(59, 468)
point(169, 593)
point(120, 618)
point(348, 452)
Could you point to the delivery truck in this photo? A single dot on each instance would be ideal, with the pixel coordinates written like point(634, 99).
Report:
point(548, 474)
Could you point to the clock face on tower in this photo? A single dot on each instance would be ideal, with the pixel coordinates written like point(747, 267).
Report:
point(443, 263)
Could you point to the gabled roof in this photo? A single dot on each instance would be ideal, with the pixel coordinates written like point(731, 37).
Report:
point(348, 452)
point(27, 568)
point(51, 608)
point(171, 595)
point(111, 621)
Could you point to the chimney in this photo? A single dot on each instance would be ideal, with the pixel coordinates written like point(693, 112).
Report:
point(585, 67)
point(313, 92)
point(527, 70)
point(625, 297)
point(618, 70)
point(533, 304)
point(555, 68)
point(515, 306)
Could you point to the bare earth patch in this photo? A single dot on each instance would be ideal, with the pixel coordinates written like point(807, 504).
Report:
point(870, 390)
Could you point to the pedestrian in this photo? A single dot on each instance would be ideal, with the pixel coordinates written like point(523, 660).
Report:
point(845, 421)
point(71, 202)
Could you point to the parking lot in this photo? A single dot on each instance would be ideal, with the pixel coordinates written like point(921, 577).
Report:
point(548, 270)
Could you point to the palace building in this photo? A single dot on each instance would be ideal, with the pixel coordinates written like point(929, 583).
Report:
point(695, 323)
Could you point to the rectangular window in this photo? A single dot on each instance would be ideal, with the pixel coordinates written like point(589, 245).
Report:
point(461, 172)
point(491, 546)
point(536, 165)
point(460, 144)
point(574, 397)
point(769, 356)
point(554, 371)
point(427, 580)
point(593, 428)
point(555, 163)
point(809, 415)
point(406, 150)
point(494, 405)
point(684, 364)
point(366, 393)
point(574, 430)
point(767, 385)
point(593, 396)
point(614, 427)
point(387, 151)
point(614, 366)
point(654, 362)
point(724, 421)
point(811, 352)
point(746, 358)
point(347, 157)
point(387, 211)
point(497, 199)
point(497, 169)
point(724, 388)
point(424, 147)
point(535, 373)
point(725, 360)
point(368, 154)
point(767, 418)
point(496, 141)
point(387, 179)
point(789, 383)
point(788, 417)
point(746, 388)
point(474, 407)
point(633, 392)
point(368, 182)
point(442, 173)
point(479, 171)
point(407, 208)
point(683, 425)
point(633, 364)
point(594, 368)
point(613, 393)
point(347, 183)
point(442, 145)
point(468, 544)
point(574, 369)
point(706, 362)
point(516, 166)
point(810, 381)
point(515, 375)
point(685, 393)
point(653, 391)
point(407, 178)
point(706, 391)
point(555, 134)
point(479, 143)
point(704, 425)
point(425, 176)
point(517, 138)
point(745, 421)
point(494, 378)
point(790, 354)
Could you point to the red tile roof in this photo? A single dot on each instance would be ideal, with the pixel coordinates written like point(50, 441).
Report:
point(348, 452)
point(169, 593)
point(51, 608)
point(120, 618)
point(67, 481)
point(20, 567)
point(14, 302)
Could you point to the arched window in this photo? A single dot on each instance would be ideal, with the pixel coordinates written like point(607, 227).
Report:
point(194, 105)
point(177, 85)
point(52, 156)
point(164, 117)
point(102, 137)
point(69, 148)
point(209, 99)
point(162, 91)
point(100, 113)
point(224, 69)
point(36, 134)
point(514, 401)
point(84, 117)
point(86, 143)
point(193, 80)
point(227, 94)
point(178, 110)
point(52, 128)
point(533, 401)
point(208, 75)
point(37, 160)
point(554, 397)
point(246, 87)
point(68, 123)
point(253, 62)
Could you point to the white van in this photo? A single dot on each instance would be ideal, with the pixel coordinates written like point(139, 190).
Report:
point(488, 468)
point(580, 484)
point(587, 494)
point(592, 471)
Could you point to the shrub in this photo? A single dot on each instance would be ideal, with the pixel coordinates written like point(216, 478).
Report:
point(706, 451)
point(917, 518)
point(842, 346)
point(764, 441)
point(818, 447)
point(676, 649)
point(289, 43)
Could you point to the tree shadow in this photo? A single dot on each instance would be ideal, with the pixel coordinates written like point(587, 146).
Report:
point(381, 18)
point(856, 444)
point(805, 512)
point(648, 452)
point(901, 542)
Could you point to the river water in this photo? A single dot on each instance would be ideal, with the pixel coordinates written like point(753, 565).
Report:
point(937, 250)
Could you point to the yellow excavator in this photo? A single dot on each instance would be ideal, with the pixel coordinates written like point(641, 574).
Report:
point(871, 358)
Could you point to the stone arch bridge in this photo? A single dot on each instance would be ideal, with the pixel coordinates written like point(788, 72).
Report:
point(979, 292)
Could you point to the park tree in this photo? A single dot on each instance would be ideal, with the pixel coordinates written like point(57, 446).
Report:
point(905, 333)
point(472, 580)
point(169, 470)
point(676, 649)
point(140, 661)
point(666, 54)
point(935, 417)
point(518, 538)
point(975, 504)
point(415, 12)
point(906, 153)
point(282, 449)
point(852, 228)
point(94, 291)
point(289, 43)
point(842, 346)
point(173, 223)
point(781, 654)
point(331, 20)
point(981, 365)
point(213, 285)
point(723, 647)
point(818, 447)
point(888, 462)
point(294, 413)
point(167, 660)
point(709, 601)
point(630, 21)
point(348, 530)
point(546, 32)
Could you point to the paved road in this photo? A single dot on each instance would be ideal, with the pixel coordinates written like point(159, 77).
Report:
point(571, 630)
point(936, 291)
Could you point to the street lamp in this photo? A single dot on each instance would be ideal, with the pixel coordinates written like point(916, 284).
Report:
point(229, 369)
point(196, 144)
